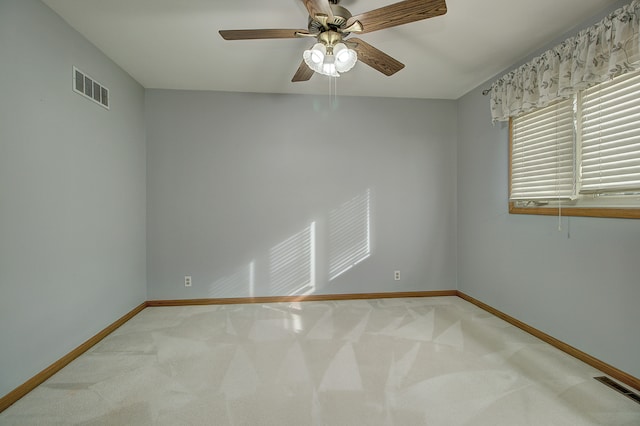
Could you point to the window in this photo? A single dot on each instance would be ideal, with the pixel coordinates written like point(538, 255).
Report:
point(580, 155)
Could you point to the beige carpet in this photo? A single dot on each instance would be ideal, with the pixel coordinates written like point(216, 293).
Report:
point(422, 361)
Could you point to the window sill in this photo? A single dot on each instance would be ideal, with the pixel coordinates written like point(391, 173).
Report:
point(620, 213)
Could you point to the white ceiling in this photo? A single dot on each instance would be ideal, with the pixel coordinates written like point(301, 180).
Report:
point(174, 44)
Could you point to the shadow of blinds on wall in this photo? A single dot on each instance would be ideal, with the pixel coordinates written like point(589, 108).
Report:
point(349, 234)
point(292, 263)
point(240, 283)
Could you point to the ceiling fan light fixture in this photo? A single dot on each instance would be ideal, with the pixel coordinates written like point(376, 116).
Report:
point(339, 59)
point(317, 59)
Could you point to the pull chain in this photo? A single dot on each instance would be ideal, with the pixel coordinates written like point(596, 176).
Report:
point(559, 215)
point(333, 92)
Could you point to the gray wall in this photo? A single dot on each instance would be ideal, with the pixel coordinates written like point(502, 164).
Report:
point(236, 185)
point(580, 285)
point(72, 193)
point(235, 179)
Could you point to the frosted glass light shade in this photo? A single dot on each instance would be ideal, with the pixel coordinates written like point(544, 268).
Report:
point(317, 53)
point(345, 58)
point(315, 57)
point(329, 66)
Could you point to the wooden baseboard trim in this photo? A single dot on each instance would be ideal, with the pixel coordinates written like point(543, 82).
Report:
point(39, 378)
point(307, 298)
point(574, 352)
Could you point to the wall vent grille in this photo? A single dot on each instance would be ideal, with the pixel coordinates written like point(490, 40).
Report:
point(619, 388)
point(87, 86)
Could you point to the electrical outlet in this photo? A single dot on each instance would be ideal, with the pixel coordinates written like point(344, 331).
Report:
point(187, 280)
point(396, 275)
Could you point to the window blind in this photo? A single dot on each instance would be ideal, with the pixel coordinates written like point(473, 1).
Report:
point(543, 154)
point(611, 136)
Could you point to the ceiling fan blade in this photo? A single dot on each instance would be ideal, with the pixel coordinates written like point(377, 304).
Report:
point(304, 73)
point(260, 34)
point(319, 7)
point(399, 13)
point(375, 58)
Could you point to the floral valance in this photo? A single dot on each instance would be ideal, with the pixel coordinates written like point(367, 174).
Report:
point(596, 54)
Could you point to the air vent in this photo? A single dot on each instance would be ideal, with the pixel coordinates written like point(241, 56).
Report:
point(619, 388)
point(88, 87)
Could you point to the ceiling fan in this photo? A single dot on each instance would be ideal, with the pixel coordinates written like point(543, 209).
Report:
point(330, 24)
